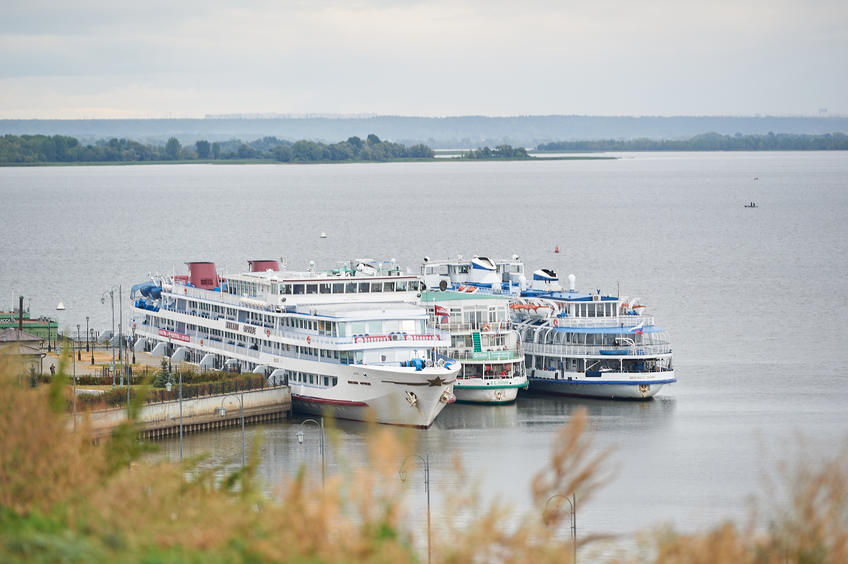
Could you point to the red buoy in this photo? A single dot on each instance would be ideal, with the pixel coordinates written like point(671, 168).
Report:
point(556, 249)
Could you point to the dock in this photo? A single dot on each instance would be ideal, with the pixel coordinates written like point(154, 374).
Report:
point(162, 419)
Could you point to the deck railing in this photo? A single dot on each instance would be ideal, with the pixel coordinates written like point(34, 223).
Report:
point(577, 350)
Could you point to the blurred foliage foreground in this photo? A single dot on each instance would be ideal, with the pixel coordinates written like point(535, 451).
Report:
point(65, 499)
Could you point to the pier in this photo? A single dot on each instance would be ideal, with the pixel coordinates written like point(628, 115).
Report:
point(162, 419)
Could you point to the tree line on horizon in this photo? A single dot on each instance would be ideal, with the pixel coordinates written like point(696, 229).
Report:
point(498, 152)
point(24, 149)
point(711, 142)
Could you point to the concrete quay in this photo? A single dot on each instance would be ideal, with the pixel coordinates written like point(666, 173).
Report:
point(198, 414)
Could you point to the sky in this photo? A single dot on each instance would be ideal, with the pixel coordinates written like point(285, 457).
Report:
point(191, 58)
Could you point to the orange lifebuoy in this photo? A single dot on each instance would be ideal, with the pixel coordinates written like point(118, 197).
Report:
point(555, 322)
point(308, 340)
point(486, 328)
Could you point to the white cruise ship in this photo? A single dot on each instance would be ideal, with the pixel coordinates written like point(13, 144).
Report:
point(483, 341)
point(590, 345)
point(350, 341)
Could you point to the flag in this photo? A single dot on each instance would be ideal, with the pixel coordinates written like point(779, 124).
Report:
point(637, 329)
point(439, 311)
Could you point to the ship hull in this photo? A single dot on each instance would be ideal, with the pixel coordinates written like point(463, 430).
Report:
point(612, 388)
point(478, 390)
point(387, 395)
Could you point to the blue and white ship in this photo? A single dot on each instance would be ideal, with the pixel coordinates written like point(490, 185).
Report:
point(576, 344)
point(589, 344)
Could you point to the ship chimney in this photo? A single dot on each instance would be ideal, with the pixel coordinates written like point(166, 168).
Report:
point(263, 265)
point(203, 275)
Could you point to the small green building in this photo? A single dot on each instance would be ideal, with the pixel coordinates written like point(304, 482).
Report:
point(43, 327)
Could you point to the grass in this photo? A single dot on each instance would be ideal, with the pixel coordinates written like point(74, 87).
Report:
point(65, 499)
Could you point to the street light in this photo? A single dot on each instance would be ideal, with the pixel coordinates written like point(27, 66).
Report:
point(300, 442)
point(79, 350)
point(223, 412)
point(111, 292)
point(402, 473)
point(86, 333)
point(572, 502)
point(60, 308)
point(91, 332)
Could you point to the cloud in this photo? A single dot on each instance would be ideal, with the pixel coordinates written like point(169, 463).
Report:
point(419, 57)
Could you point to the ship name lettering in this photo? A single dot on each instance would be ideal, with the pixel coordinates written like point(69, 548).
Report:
point(231, 325)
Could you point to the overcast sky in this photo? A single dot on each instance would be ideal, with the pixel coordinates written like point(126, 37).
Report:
point(189, 58)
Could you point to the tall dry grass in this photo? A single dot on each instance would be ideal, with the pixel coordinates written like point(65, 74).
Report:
point(62, 499)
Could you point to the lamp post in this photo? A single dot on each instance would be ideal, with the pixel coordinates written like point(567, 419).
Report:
point(111, 292)
point(60, 308)
point(86, 334)
point(181, 415)
point(572, 502)
point(77, 346)
point(402, 473)
point(223, 412)
point(75, 390)
point(300, 442)
point(91, 334)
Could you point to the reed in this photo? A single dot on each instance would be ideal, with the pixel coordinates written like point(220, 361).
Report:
point(63, 498)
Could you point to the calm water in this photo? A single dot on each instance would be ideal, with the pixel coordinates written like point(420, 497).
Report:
point(753, 299)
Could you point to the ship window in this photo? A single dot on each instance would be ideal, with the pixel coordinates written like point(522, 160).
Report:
point(350, 288)
point(388, 286)
point(364, 287)
point(338, 288)
point(286, 289)
point(413, 285)
point(400, 285)
point(376, 286)
point(312, 288)
point(324, 287)
point(375, 327)
point(298, 288)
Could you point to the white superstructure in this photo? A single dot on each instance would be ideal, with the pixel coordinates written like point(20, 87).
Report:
point(349, 340)
point(483, 341)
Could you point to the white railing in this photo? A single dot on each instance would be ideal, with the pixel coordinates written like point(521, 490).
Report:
point(620, 321)
point(436, 337)
point(513, 355)
point(493, 326)
point(595, 350)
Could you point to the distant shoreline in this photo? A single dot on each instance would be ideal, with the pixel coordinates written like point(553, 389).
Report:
point(275, 162)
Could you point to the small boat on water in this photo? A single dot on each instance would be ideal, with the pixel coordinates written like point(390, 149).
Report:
point(751, 205)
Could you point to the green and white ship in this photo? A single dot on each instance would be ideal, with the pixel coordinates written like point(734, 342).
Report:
point(482, 340)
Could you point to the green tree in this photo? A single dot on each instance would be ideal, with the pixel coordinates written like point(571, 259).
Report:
point(202, 147)
point(216, 150)
point(172, 148)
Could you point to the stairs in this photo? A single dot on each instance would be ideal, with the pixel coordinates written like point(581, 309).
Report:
point(475, 338)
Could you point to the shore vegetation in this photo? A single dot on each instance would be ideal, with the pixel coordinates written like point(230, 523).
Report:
point(58, 149)
point(65, 498)
point(710, 142)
